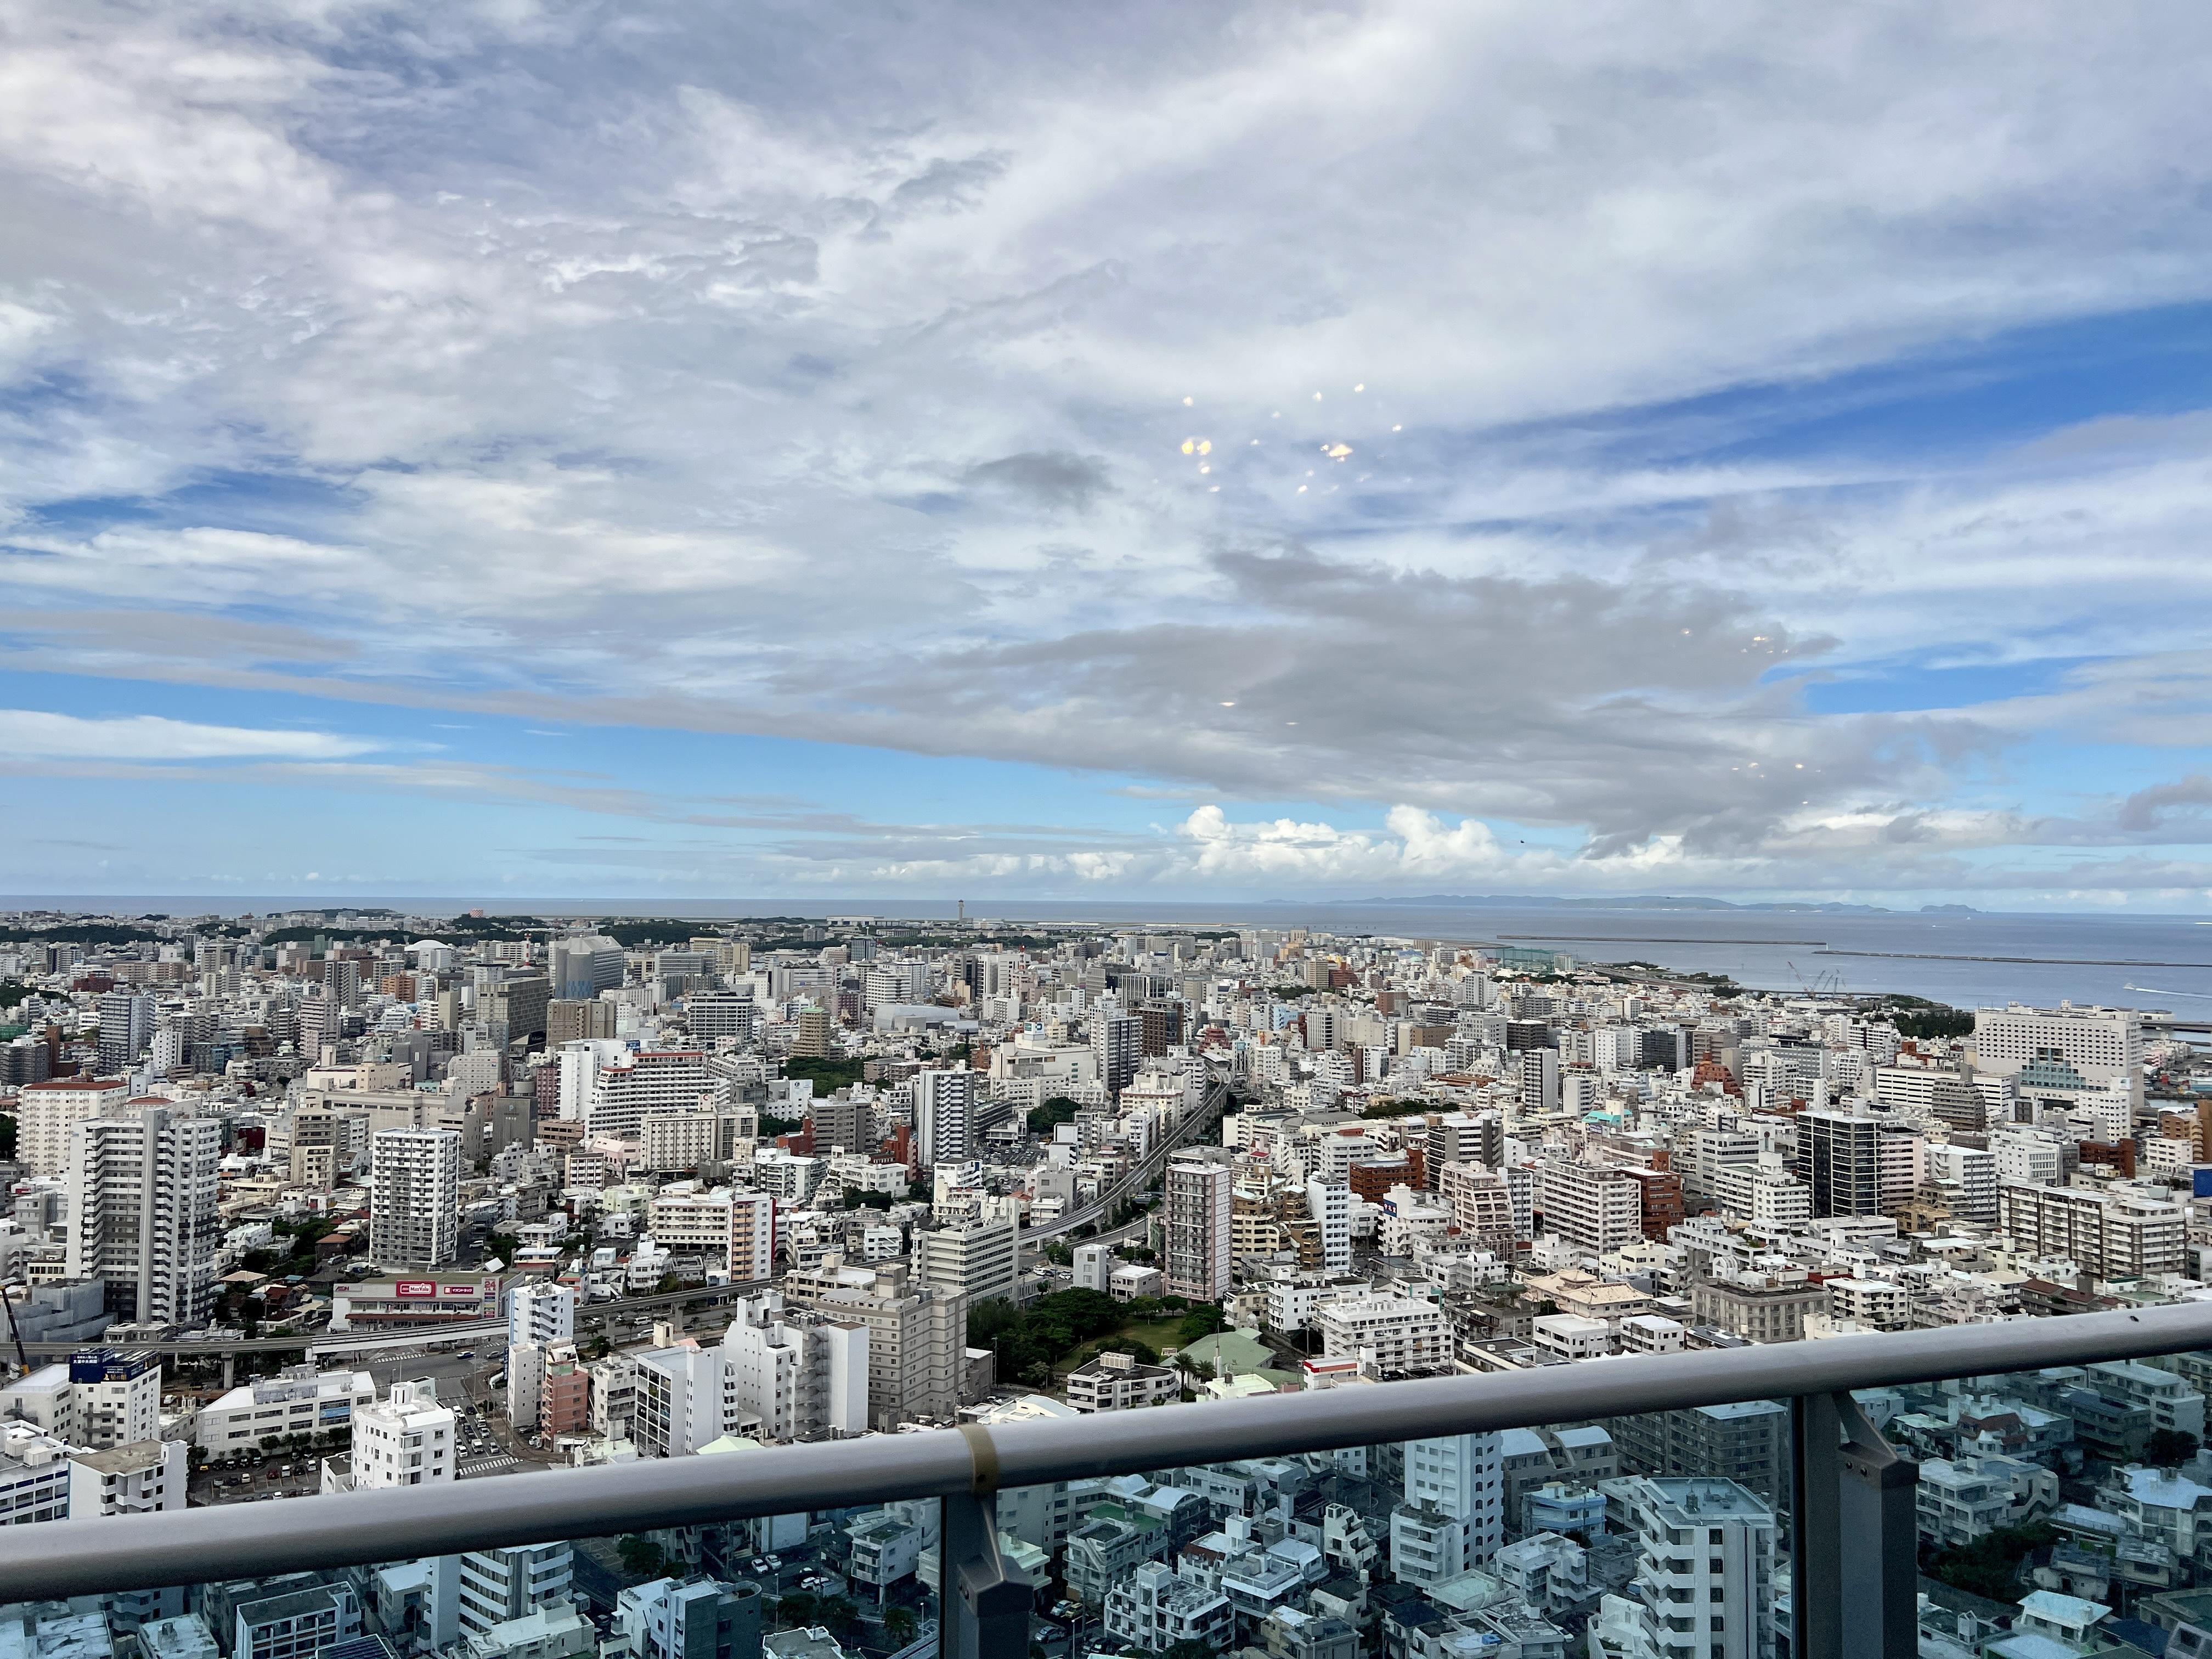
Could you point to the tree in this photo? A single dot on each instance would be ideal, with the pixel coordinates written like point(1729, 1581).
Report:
point(1201, 1322)
point(1057, 1111)
point(2169, 1448)
point(900, 1626)
point(641, 1557)
point(1990, 1567)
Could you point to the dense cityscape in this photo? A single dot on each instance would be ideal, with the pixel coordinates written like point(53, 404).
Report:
point(330, 1201)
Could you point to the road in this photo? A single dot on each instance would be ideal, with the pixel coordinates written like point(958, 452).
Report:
point(629, 1307)
point(1141, 1177)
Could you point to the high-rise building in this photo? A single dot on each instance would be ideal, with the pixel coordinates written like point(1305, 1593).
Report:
point(1539, 1080)
point(1706, 1557)
point(1159, 1027)
point(573, 1020)
point(116, 1397)
point(1117, 1041)
point(1464, 1138)
point(584, 966)
point(126, 1028)
point(980, 1260)
point(495, 1586)
point(917, 1335)
point(890, 984)
point(414, 1197)
point(810, 1029)
point(1972, 1170)
point(342, 981)
point(713, 1015)
point(1329, 1207)
point(1839, 1161)
point(2120, 1233)
point(1454, 1514)
point(1599, 1210)
point(788, 1374)
point(1201, 1206)
point(142, 1213)
point(46, 1112)
point(945, 1103)
point(2100, 1046)
point(539, 1311)
point(734, 1230)
point(621, 1088)
point(1481, 1205)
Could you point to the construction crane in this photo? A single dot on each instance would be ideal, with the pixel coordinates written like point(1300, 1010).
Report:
point(1829, 983)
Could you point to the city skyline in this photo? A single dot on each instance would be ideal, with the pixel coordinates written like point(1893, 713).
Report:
point(1332, 453)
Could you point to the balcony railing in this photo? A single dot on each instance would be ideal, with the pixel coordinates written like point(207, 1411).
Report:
point(1852, 1532)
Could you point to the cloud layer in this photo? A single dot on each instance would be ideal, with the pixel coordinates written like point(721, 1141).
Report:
point(1379, 407)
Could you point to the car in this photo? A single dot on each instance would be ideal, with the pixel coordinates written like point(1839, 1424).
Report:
point(775, 1563)
point(759, 1564)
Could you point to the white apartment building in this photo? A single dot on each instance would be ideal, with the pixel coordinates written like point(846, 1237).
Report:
point(299, 1400)
point(115, 1398)
point(1876, 1304)
point(981, 1260)
point(405, 1440)
point(1480, 1203)
point(34, 1476)
point(1707, 1552)
point(1115, 1382)
point(1330, 1207)
point(916, 1335)
point(620, 1088)
point(733, 1230)
point(944, 1103)
point(1597, 1210)
point(1201, 1185)
point(143, 1477)
point(414, 1197)
point(785, 1375)
point(1454, 1514)
point(142, 1211)
point(1391, 1336)
point(496, 1586)
point(789, 1177)
point(1973, 1171)
point(46, 1112)
point(2118, 1233)
point(540, 1311)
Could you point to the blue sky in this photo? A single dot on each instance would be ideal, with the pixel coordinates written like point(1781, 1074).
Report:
point(587, 450)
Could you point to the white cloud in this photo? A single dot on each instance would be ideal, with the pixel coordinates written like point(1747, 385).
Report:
point(36, 734)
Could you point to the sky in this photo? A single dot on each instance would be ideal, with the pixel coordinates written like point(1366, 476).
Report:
point(1143, 452)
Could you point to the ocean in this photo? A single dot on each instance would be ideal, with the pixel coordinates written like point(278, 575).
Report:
point(1963, 959)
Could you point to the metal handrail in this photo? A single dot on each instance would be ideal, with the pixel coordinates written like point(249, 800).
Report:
point(87, 1557)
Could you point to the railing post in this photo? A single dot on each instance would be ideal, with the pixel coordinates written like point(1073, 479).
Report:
point(1855, 1536)
point(982, 1598)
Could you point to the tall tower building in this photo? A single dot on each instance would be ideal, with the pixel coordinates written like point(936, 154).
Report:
point(126, 1029)
point(414, 1197)
point(1118, 1041)
point(944, 1115)
point(1839, 1161)
point(1201, 1184)
point(142, 1213)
